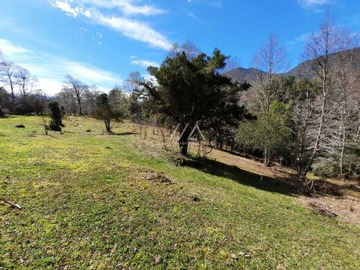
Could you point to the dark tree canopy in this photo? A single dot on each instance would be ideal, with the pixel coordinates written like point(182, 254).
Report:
point(192, 90)
point(55, 113)
point(106, 112)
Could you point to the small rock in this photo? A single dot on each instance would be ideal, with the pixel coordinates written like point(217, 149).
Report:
point(244, 254)
point(280, 267)
point(158, 259)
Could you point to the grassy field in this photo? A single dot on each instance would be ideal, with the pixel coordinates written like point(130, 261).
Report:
point(95, 201)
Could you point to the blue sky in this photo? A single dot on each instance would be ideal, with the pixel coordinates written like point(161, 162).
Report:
point(102, 41)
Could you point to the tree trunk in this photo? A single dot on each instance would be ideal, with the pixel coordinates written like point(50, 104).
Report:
point(317, 140)
point(343, 142)
point(267, 157)
point(184, 145)
point(183, 141)
point(79, 105)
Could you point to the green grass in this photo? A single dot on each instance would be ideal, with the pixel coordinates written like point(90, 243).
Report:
point(94, 201)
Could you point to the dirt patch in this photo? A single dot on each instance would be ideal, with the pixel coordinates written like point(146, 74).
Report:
point(157, 177)
point(346, 208)
point(336, 198)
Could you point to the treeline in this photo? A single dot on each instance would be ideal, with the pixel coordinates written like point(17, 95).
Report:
point(310, 123)
point(18, 93)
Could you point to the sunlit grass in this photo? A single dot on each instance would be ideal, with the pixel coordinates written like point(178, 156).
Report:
point(88, 202)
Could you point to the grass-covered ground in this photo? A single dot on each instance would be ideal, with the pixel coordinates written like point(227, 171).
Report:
point(95, 201)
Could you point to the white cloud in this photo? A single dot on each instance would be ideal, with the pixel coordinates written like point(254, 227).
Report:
point(10, 49)
point(134, 29)
point(308, 3)
point(130, 28)
point(88, 73)
point(144, 63)
point(65, 6)
point(51, 69)
point(303, 37)
point(128, 7)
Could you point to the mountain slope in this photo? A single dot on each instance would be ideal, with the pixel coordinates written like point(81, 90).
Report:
point(306, 69)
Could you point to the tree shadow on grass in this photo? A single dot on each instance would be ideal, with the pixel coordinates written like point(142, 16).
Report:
point(124, 133)
point(234, 173)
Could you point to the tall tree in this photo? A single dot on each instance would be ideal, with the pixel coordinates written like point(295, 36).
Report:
point(89, 103)
point(270, 60)
point(8, 76)
point(191, 90)
point(270, 132)
point(77, 88)
point(319, 49)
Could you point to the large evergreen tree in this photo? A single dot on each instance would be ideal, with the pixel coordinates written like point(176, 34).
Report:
point(191, 90)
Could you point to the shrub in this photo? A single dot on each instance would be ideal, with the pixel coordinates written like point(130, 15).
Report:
point(326, 168)
point(55, 123)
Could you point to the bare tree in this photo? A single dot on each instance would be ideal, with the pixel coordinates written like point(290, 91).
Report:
point(270, 60)
point(77, 88)
point(8, 76)
point(345, 105)
point(90, 95)
point(132, 83)
point(319, 48)
point(188, 47)
point(25, 81)
point(66, 99)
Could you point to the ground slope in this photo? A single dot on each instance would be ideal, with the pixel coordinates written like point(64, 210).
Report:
point(95, 201)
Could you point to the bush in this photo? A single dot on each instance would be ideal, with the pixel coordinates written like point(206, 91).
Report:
point(326, 168)
point(55, 123)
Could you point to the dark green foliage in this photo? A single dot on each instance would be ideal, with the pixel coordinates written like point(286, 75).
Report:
point(4, 101)
point(270, 132)
point(191, 90)
point(55, 113)
point(106, 112)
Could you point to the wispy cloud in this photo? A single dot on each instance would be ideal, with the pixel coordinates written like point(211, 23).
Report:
point(144, 63)
point(312, 3)
point(51, 69)
point(129, 27)
point(303, 37)
point(213, 3)
point(65, 6)
point(10, 49)
point(134, 29)
point(128, 7)
point(196, 18)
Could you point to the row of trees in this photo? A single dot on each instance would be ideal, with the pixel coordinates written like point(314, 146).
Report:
point(308, 122)
point(19, 93)
point(312, 122)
